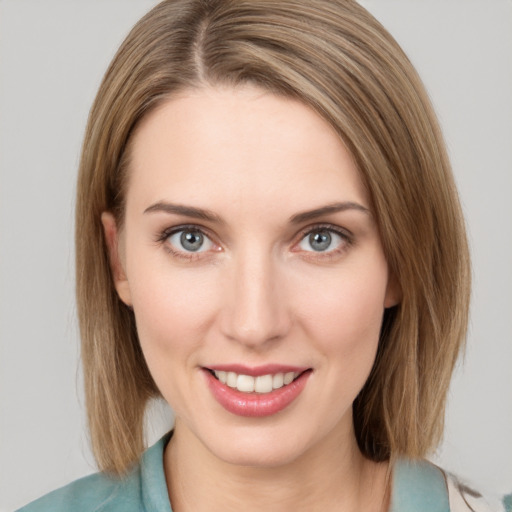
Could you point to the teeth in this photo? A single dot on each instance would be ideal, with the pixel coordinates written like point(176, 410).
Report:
point(288, 377)
point(231, 379)
point(261, 384)
point(278, 380)
point(245, 383)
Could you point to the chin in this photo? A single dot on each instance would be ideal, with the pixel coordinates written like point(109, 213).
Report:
point(255, 447)
point(255, 457)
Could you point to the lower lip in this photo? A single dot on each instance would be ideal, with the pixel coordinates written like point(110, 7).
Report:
point(256, 404)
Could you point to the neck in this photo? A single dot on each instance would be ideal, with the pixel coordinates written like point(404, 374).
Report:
point(331, 476)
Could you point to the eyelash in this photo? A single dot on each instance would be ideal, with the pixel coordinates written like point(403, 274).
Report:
point(345, 235)
point(184, 255)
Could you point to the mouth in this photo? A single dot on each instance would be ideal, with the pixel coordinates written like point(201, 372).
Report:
point(255, 384)
point(268, 391)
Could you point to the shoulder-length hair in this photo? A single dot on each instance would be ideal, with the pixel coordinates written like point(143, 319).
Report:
point(335, 57)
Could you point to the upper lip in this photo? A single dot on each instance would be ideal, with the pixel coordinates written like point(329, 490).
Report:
point(256, 371)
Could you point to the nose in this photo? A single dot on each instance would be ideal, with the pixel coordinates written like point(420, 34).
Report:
point(255, 311)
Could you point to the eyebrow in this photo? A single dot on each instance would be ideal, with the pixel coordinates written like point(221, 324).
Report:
point(298, 218)
point(187, 211)
point(328, 210)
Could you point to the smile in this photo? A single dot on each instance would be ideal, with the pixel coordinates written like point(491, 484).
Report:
point(268, 391)
point(260, 384)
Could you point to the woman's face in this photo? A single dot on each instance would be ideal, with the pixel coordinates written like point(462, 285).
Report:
point(251, 257)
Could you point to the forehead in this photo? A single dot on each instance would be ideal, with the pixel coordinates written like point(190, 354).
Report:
point(240, 144)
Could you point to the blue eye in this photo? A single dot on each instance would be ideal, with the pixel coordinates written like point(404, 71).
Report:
point(321, 240)
point(190, 240)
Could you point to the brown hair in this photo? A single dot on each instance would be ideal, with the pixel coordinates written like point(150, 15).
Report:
point(334, 56)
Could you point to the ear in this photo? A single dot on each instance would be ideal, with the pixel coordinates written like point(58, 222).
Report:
point(393, 292)
point(112, 237)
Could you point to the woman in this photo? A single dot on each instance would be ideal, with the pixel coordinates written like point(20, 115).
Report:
point(269, 237)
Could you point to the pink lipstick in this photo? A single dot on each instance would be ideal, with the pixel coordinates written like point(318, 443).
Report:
point(256, 391)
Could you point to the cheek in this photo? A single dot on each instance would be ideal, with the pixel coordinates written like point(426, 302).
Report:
point(173, 312)
point(344, 311)
point(173, 307)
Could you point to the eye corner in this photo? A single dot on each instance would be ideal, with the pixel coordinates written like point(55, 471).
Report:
point(335, 241)
point(200, 245)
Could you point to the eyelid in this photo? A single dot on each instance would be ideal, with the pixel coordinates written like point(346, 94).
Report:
point(164, 235)
point(344, 233)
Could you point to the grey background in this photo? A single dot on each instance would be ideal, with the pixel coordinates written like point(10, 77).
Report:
point(52, 57)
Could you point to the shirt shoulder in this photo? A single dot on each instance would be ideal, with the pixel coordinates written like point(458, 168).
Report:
point(418, 485)
point(422, 486)
point(465, 498)
point(94, 493)
point(142, 489)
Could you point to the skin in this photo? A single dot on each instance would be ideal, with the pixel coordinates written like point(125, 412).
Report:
point(256, 293)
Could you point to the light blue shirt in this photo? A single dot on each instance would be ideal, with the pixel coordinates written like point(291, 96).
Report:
point(417, 487)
